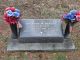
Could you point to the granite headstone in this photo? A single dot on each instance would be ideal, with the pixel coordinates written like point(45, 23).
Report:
point(41, 35)
point(41, 31)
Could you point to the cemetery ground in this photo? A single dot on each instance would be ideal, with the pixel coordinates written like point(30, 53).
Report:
point(40, 9)
point(5, 55)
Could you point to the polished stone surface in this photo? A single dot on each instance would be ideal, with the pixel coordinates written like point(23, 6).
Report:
point(41, 31)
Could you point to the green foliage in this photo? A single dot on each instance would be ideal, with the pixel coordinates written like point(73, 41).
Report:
point(24, 56)
point(0, 1)
point(12, 58)
point(61, 57)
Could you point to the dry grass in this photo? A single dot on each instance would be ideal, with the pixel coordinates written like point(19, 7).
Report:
point(40, 9)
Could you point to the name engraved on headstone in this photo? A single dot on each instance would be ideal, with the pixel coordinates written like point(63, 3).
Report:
point(41, 30)
point(43, 26)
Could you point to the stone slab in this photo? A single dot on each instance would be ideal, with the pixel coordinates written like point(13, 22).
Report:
point(41, 31)
point(15, 45)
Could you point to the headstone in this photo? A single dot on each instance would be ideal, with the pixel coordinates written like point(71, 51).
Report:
point(41, 31)
point(14, 45)
point(41, 35)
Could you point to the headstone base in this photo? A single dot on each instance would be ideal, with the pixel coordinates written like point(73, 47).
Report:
point(14, 45)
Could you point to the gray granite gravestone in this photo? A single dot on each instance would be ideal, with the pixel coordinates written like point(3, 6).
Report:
point(41, 35)
point(41, 31)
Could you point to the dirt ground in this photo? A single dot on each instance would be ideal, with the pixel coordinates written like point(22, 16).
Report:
point(5, 55)
point(40, 9)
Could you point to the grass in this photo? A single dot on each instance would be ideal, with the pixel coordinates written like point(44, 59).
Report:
point(41, 9)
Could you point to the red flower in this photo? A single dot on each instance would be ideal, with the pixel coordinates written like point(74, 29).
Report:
point(4, 0)
point(78, 16)
point(10, 20)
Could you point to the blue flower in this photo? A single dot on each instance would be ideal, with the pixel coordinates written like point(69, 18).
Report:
point(17, 10)
point(9, 13)
point(73, 12)
point(70, 15)
point(16, 14)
